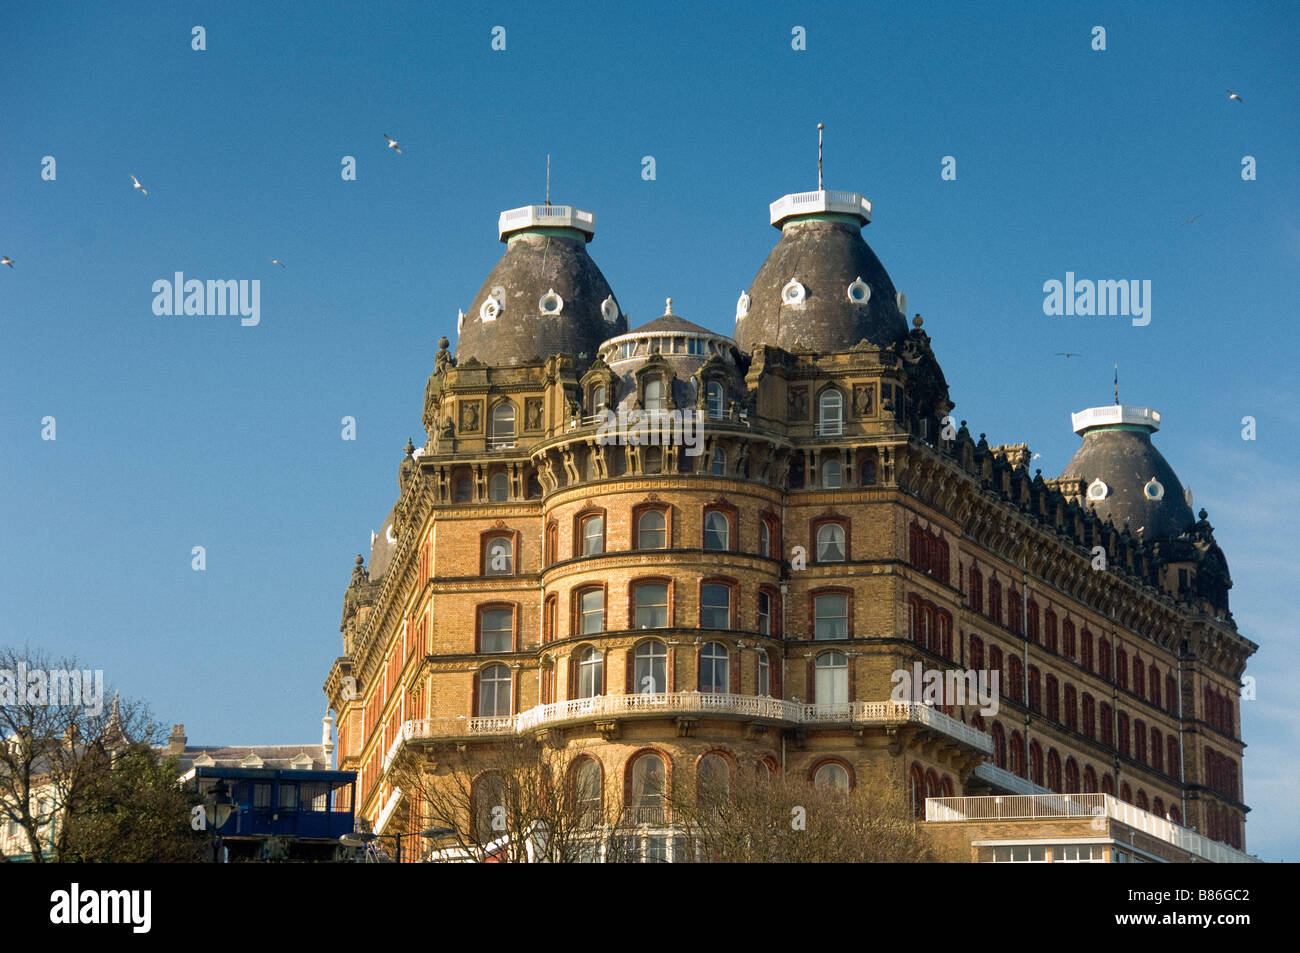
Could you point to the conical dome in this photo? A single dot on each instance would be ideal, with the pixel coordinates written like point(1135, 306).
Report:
point(822, 288)
point(1128, 480)
point(545, 296)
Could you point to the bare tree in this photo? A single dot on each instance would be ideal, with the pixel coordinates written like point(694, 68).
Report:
point(508, 801)
point(58, 735)
point(752, 817)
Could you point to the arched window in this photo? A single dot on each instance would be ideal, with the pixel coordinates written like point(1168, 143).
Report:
point(652, 460)
point(650, 668)
point(1053, 770)
point(719, 465)
point(1035, 762)
point(1106, 718)
point(995, 600)
point(831, 616)
point(869, 471)
point(764, 538)
point(598, 398)
point(999, 745)
point(1085, 650)
point(1014, 682)
point(715, 606)
point(503, 424)
point(498, 488)
point(1153, 682)
point(1107, 784)
point(1157, 750)
point(977, 655)
point(496, 630)
point(591, 673)
point(591, 530)
point(1121, 667)
point(499, 558)
point(1017, 754)
point(714, 398)
point(916, 781)
point(651, 611)
point(649, 787)
point(1121, 723)
point(1103, 657)
point(832, 679)
point(552, 542)
point(764, 612)
point(1089, 780)
point(586, 792)
point(832, 474)
point(488, 794)
point(1139, 677)
point(830, 413)
point(654, 394)
point(1035, 690)
point(1031, 613)
point(1171, 695)
point(830, 543)
point(1014, 611)
point(1175, 815)
point(1053, 698)
point(591, 611)
point(1089, 716)
point(1071, 776)
point(764, 673)
point(715, 665)
point(1140, 740)
point(831, 776)
point(712, 778)
point(494, 691)
point(717, 531)
point(1158, 807)
point(1067, 639)
point(976, 590)
point(1049, 630)
point(1071, 708)
point(652, 530)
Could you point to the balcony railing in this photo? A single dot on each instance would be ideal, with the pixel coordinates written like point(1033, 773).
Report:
point(881, 713)
point(1048, 806)
point(501, 443)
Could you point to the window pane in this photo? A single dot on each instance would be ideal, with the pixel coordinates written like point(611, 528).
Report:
point(832, 683)
point(652, 530)
point(714, 668)
point(494, 692)
point(714, 392)
point(651, 606)
point(715, 607)
point(831, 776)
point(764, 614)
point(591, 674)
point(830, 543)
point(498, 488)
point(719, 462)
point(651, 668)
point(593, 536)
point(832, 617)
point(500, 555)
point(495, 630)
point(764, 675)
point(654, 394)
point(764, 539)
point(831, 479)
point(593, 611)
point(716, 531)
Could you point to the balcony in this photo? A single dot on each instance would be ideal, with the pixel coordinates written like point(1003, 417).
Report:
point(1029, 807)
point(756, 707)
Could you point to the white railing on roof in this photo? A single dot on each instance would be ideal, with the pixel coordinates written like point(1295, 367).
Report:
point(1046, 806)
point(554, 216)
point(884, 713)
point(1002, 778)
point(807, 203)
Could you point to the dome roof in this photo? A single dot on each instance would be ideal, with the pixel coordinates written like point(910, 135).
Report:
point(822, 288)
point(545, 296)
point(1127, 477)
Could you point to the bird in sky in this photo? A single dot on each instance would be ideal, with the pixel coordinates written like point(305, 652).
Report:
point(6, 260)
point(1068, 354)
point(276, 261)
point(1232, 95)
point(392, 143)
point(1192, 219)
point(139, 186)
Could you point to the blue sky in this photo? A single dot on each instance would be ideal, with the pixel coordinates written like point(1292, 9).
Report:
point(174, 432)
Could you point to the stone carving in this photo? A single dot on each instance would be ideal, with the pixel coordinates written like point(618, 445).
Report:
point(798, 403)
point(469, 417)
point(864, 399)
point(533, 413)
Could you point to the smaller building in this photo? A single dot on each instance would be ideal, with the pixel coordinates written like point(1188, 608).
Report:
point(1065, 828)
point(290, 804)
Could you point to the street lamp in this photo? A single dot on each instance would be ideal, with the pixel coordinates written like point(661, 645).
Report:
point(218, 808)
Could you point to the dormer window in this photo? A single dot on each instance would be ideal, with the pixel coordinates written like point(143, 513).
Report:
point(859, 291)
point(598, 398)
point(1097, 490)
point(1154, 490)
point(550, 303)
point(793, 292)
point(627, 349)
point(654, 394)
point(715, 398)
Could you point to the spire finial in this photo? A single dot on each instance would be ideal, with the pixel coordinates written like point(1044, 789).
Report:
point(820, 127)
point(548, 178)
point(670, 306)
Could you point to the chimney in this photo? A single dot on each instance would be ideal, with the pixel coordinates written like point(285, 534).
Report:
point(176, 740)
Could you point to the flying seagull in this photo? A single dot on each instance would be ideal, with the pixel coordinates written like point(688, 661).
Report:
point(1068, 354)
point(392, 143)
point(1193, 219)
point(139, 186)
point(276, 261)
point(6, 260)
point(1232, 95)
